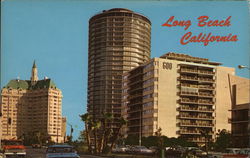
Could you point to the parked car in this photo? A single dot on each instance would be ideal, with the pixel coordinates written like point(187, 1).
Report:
point(175, 151)
point(60, 151)
point(142, 150)
point(154, 149)
point(129, 149)
point(119, 149)
point(213, 154)
point(14, 148)
point(236, 153)
point(197, 152)
point(36, 145)
point(245, 151)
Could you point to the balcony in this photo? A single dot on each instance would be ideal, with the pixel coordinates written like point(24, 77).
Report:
point(188, 101)
point(135, 96)
point(206, 95)
point(207, 87)
point(190, 124)
point(188, 78)
point(209, 80)
point(134, 118)
point(205, 109)
point(192, 132)
point(205, 102)
point(199, 109)
point(189, 85)
point(134, 125)
point(188, 70)
point(183, 93)
point(206, 73)
point(195, 117)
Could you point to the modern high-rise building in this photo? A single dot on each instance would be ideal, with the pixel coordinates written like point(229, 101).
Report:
point(119, 40)
point(183, 95)
point(30, 106)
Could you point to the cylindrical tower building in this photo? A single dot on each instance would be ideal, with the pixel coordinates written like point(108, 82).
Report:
point(119, 40)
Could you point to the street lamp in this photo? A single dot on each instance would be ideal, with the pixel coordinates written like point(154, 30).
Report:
point(243, 67)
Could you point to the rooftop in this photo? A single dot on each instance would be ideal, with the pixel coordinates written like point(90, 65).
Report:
point(26, 84)
point(188, 58)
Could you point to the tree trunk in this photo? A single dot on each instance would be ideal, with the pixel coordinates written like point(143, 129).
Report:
point(95, 141)
point(102, 141)
point(88, 138)
point(115, 138)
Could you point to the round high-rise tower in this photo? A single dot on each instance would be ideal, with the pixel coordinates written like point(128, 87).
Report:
point(119, 40)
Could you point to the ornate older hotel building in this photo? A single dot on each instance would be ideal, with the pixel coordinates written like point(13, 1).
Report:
point(119, 40)
point(33, 105)
point(181, 94)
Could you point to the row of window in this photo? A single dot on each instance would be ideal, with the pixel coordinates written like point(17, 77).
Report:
point(150, 88)
point(149, 111)
point(155, 103)
point(146, 120)
point(150, 80)
point(121, 20)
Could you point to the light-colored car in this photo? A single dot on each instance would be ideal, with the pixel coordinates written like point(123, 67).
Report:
point(197, 152)
point(245, 151)
point(61, 151)
point(119, 149)
point(15, 152)
point(142, 150)
point(233, 150)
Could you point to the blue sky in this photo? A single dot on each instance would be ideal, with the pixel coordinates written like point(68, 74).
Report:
point(55, 34)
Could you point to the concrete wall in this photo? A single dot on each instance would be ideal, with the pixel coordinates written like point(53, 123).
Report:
point(223, 98)
point(167, 97)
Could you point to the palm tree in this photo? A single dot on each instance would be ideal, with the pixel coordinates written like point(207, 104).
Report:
point(95, 127)
point(122, 122)
point(86, 118)
point(108, 117)
point(205, 133)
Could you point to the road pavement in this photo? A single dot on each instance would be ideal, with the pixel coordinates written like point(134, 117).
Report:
point(41, 153)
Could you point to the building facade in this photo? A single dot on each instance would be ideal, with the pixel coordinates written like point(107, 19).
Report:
point(132, 101)
point(119, 40)
point(180, 95)
point(30, 106)
point(240, 121)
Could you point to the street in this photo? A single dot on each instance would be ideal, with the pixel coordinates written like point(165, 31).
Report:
point(40, 153)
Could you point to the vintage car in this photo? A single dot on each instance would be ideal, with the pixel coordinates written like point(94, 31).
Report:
point(13, 148)
point(61, 151)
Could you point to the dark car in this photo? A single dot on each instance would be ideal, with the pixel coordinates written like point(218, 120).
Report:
point(61, 151)
point(36, 145)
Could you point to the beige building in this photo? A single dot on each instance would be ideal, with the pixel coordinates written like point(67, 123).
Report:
point(240, 90)
point(119, 40)
point(180, 94)
point(30, 106)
